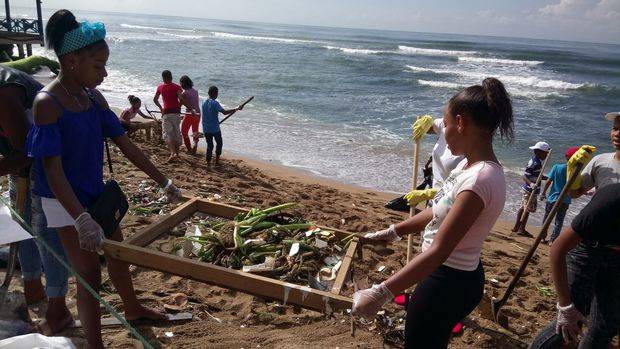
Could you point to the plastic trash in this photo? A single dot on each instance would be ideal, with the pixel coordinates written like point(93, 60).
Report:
point(36, 340)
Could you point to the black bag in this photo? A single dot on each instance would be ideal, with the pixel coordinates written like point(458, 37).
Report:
point(112, 205)
point(400, 203)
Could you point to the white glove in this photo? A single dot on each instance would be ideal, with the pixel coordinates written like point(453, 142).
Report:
point(90, 233)
point(388, 235)
point(173, 194)
point(569, 323)
point(366, 303)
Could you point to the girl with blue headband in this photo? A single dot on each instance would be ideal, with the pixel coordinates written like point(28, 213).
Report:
point(71, 120)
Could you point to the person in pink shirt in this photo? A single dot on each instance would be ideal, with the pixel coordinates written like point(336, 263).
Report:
point(129, 113)
point(191, 119)
point(448, 272)
point(171, 112)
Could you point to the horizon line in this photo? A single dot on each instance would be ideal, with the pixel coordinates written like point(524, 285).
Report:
point(336, 27)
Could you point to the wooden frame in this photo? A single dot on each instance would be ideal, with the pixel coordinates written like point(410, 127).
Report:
point(133, 250)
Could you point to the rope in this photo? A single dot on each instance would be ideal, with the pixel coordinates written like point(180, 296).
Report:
point(66, 265)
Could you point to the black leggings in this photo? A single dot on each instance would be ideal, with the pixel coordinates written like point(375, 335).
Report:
point(438, 303)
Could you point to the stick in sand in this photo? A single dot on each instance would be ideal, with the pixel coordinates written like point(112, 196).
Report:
point(414, 184)
point(22, 185)
point(151, 112)
point(242, 105)
point(536, 186)
point(496, 304)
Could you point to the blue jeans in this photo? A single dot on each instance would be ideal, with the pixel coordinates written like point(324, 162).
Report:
point(595, 290)
point(559, 218)
point(35, 258)
point(219, 143)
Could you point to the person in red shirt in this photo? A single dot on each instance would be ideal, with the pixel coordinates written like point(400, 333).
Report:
point(171, 112)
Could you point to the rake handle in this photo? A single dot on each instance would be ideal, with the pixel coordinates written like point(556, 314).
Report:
point(543, 232)
point(414, 184)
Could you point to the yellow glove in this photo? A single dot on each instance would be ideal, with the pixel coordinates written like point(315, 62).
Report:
point(581, 156)
point(416, 196)
point(421, 126)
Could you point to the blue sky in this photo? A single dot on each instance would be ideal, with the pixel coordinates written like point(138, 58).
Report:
point(580, 20)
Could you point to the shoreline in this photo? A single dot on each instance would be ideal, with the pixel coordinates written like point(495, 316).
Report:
point(254, 183)
point(301, 175)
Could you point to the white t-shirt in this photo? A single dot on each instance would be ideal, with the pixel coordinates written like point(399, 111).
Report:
point(485, 179)
point(603, 170)
point(443, 160)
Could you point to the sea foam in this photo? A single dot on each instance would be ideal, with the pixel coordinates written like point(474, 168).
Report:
point(259, 38)
point(182, 36)
point(356, 50)
point(530, 81)
point(433, 52)
point(497, 61)
point(133, 26)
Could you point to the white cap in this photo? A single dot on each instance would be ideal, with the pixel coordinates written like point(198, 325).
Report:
point(612, 116)
point(541, 146)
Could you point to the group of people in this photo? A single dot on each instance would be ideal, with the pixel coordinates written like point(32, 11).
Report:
point(468, 197)
point(176, 125)
point(51, 137)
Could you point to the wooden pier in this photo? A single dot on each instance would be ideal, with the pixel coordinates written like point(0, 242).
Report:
point(22, 32)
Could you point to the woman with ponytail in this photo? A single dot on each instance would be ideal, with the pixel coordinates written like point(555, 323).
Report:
point(448, 273)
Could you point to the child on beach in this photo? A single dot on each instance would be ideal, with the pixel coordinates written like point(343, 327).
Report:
point(449, 272)
point(191, 119)
point(71, 120)
point(171, 112)
point(557, 181)
point(532, 171)
point(17, 94)
point(130, 113)
point(211, 123)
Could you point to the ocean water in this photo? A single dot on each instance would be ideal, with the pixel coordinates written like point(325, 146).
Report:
point(340, 102)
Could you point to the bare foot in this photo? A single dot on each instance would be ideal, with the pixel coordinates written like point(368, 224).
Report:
point(142, 313)
point(55, 323)
point(34, 291)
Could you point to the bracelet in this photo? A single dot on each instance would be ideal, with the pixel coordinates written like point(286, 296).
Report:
point(168, 184)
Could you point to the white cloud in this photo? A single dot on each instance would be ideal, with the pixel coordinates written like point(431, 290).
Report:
point(605, 11)
point(566, 8)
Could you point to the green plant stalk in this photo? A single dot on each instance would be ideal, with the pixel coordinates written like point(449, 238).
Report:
point(295, 226)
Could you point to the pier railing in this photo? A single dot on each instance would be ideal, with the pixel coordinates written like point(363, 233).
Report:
point(21, 25)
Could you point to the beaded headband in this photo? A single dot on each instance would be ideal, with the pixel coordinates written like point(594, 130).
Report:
point(87, 33)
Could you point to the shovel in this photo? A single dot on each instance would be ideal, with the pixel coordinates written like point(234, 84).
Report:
point(490, 306)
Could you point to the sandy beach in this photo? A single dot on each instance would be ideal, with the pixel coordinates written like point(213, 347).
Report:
point(250, 322)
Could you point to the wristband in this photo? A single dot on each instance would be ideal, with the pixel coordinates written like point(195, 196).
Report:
point(168, 184)
point(81, 214)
